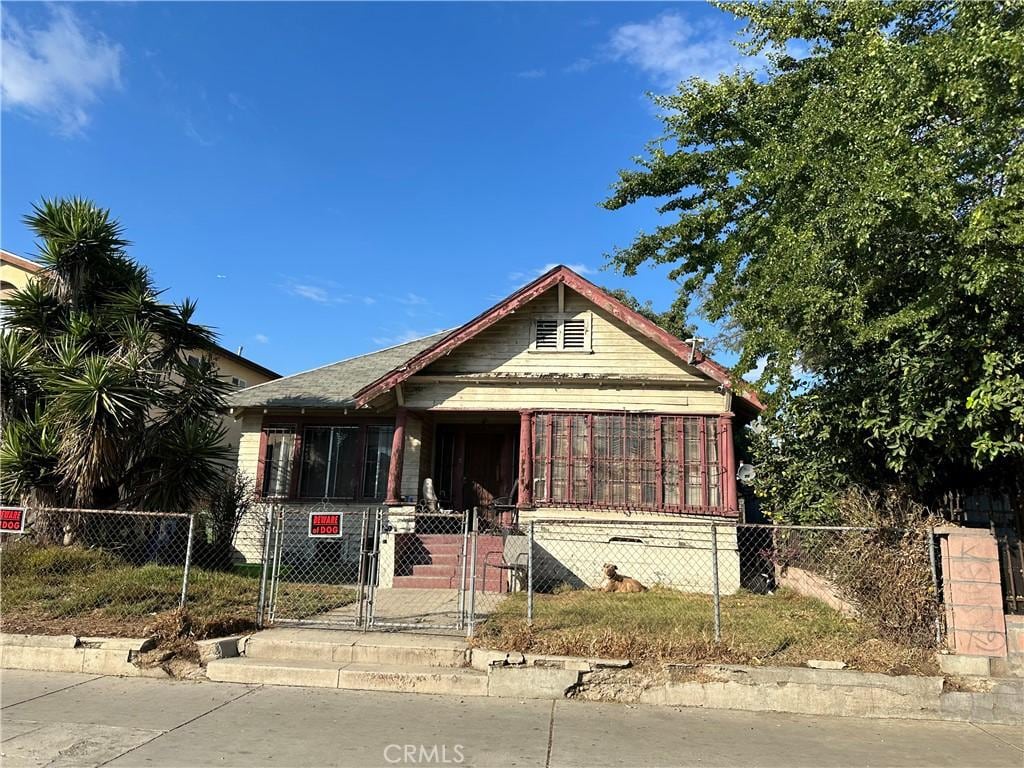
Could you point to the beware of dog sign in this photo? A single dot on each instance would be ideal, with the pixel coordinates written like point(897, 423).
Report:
point(12, 519)
point(324, 525)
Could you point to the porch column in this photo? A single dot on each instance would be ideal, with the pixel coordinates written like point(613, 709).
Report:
point(526, 459)
point(728, 462)
point(394, 494)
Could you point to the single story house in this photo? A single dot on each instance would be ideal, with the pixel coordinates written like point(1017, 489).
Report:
point(559, 402)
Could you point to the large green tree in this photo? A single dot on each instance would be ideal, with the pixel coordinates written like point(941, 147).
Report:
point(101, 407)
point(854, 209)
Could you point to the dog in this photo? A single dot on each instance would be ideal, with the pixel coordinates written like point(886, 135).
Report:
point(616, 582)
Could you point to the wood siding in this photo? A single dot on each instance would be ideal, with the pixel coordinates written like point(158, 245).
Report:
point(505, 346)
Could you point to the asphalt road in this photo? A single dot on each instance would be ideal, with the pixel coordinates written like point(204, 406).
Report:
point(81, 720)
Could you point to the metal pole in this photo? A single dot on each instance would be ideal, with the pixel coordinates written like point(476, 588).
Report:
point(371, 593)
point(529, 579)
point(472, 577)
point(714, 583)
point(935, 585)
point(462, 569)
point(188, 561)
point(363, 553)
point(269, 528)
point(275, 574)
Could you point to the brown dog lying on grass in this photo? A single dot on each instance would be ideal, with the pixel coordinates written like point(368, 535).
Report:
point(616, 582)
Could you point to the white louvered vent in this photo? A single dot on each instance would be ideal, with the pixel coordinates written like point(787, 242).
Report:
point(547, 334)
point(574, 334)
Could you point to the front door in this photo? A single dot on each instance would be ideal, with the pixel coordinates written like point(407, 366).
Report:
point(485, 474)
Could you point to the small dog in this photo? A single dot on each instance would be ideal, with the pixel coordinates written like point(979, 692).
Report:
point(616, 582)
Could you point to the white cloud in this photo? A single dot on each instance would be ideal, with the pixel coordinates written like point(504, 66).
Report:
point(411, 299)
point(262, 338)
point(311, 292)
point(57, 71)
point(671, 48)
point(531, 74)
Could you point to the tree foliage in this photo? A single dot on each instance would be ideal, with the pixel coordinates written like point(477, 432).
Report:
point(674, 319)
point(855, 212)
point(100, 404)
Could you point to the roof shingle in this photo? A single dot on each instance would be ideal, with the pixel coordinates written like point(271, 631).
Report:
point(331, 386)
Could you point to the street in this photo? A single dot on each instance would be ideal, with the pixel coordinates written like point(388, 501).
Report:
point(82, 720)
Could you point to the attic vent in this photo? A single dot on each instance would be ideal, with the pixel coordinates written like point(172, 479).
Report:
point(547, 334)
point(575, 334)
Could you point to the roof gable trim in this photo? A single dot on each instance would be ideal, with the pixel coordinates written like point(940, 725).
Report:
point(555, 276)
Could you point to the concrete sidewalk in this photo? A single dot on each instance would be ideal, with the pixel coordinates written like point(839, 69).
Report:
point(60, 719)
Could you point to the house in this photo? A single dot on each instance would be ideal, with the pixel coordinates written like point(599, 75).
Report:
point(237, 371)
point(558, 403)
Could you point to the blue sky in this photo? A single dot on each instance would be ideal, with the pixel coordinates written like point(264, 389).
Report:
point(327, 179)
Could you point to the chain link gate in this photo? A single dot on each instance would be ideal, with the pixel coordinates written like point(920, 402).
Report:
point(332, 566)
point(317, 562)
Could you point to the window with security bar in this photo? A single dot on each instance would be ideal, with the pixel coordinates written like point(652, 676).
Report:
point(627, 461)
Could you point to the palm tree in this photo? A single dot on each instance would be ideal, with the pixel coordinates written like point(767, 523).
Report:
point(100, 405)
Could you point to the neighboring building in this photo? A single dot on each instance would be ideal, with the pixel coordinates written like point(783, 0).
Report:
point(557, 402)
point(239, 372)
point(15, 273)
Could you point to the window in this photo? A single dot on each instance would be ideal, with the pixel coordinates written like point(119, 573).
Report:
point(193, 360)
point(238, 383)
point(336, 462)
point(570, 334)
point(629, 461)
point(277, 460)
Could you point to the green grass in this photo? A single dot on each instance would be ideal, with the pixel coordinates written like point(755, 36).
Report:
point(664, 625)
point(86, 591)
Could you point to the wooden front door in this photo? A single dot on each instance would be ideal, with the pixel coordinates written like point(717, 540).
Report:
point(484, 470)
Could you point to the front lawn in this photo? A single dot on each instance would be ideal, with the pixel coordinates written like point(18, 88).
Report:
point(71, 590)
point(664, 625)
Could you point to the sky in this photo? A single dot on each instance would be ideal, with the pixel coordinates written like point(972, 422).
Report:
point(327, 179)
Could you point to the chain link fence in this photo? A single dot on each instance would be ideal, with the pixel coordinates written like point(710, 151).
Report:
point(588, 586)
point(126, 572)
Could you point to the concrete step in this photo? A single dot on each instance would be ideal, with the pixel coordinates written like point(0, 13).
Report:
point(342, 647)
point(494, 582)
point(352, 676)
point(434, 569)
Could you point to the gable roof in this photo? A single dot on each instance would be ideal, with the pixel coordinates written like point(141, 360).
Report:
point(333, 385)
point(558, 275)
point(6, 257)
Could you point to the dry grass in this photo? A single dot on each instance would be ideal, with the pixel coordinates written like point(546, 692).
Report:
point(71, 590)
point(664, 625)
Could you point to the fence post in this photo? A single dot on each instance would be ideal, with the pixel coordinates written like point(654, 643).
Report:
point(935, 586)
point(472, 576)
point(529, 579)
point(462, 569)
point(188, 561)
point(714, 583)
point(267, 533)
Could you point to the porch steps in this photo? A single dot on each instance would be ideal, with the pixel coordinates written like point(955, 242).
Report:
point(456, 681)
point(432, 561)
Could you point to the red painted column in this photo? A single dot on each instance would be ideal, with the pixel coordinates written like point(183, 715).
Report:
point(728, 462)
point(526, 459)
point(394, 495)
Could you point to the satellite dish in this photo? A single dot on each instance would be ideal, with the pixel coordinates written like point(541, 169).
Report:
point(746, 473)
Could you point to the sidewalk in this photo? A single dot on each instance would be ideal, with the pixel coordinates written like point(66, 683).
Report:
point(81, 720)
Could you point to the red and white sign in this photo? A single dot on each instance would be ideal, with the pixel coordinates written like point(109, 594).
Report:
point(324, 525)
point(12, 519)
